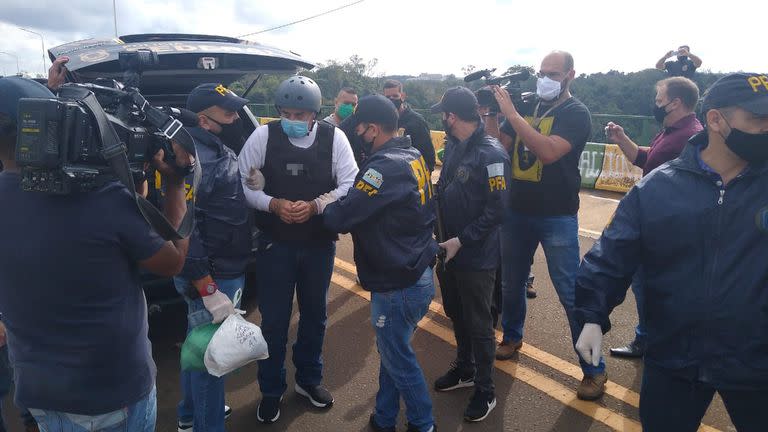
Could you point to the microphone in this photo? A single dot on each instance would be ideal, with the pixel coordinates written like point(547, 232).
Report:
point(520, 75)
point(485, 73)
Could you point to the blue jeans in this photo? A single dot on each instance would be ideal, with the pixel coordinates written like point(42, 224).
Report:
point(394, 316)
point(202, 394)
point(672, 403)
point(139, 417)
point(637, 289)
point(282, 269)
point(559, 236)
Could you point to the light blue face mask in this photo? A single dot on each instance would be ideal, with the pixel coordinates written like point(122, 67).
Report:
point(294, 128)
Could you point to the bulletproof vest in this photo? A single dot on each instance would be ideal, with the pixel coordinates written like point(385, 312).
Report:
point(297, 174)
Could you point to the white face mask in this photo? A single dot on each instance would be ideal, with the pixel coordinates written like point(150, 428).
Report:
point(547, 89)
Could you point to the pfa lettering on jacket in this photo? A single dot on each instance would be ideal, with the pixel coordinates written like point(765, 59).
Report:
point(496, 180)
point(370, 182)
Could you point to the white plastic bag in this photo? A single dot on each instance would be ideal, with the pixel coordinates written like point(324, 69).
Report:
point(235, 344)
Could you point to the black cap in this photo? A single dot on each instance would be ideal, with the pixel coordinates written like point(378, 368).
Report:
point(207, 95)
point(14, 88)
point(460, 101)
point(748, 91)
point(375, 109)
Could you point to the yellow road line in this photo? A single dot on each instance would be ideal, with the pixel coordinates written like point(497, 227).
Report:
point(613, 389)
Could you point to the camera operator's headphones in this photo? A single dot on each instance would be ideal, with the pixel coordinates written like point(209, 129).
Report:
point(114, 152)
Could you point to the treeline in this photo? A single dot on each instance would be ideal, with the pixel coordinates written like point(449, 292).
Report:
point(609, 96)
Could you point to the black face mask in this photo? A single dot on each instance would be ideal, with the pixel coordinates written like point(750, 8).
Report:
point(398, 102)
point(231, 134)
point(660, 112)
point(367, 146)
point(752, 148)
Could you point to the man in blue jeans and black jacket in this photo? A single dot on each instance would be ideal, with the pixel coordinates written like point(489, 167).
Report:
point(394, 259)
point(698, 226)
point(472, 194)
point(220, 245)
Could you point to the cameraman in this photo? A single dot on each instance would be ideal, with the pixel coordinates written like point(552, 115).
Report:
point(544, 201)
point(70, 290)
point(220, 245)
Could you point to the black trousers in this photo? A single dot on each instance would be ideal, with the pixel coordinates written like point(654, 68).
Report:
point(674, 404)
point(467, 298)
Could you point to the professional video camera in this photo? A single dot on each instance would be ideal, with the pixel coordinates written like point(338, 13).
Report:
point(511, 82)
point(66, 144)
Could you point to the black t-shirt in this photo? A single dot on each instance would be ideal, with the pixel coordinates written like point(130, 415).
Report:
point(550, 190)
point(684, 68)
point(71, 297)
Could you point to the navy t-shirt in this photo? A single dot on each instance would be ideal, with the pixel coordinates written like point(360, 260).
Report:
point(71, 298)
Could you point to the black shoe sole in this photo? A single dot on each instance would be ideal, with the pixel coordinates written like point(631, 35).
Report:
point(626, 354)
point(317, 404)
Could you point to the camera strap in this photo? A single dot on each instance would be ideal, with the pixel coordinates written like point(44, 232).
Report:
point(115, 153)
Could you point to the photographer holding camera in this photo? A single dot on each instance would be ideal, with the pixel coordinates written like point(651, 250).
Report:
point(685, 65)
point(545, 151)
point(70, 288)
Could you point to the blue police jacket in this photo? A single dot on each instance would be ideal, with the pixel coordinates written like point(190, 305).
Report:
point(703, 248)
point(220, 245)
point(472, 196)
point(390, 213)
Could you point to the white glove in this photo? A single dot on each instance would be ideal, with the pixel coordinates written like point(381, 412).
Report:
point(219, 305)
point(451, 247)
point(323, 200)
point(590, 343)
point(255, 180)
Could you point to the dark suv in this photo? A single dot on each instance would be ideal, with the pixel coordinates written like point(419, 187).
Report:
point(184, 62)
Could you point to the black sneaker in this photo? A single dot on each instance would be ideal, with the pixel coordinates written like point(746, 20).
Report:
point(481, 404)
point(187, 426)
point(415, 429)
point(376, 428)
point(454, 379)
point(269, 409)
point(318, 395)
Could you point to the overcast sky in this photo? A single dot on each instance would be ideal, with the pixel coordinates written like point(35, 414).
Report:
point(415, 36)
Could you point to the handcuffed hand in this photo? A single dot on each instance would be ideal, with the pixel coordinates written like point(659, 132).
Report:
point(219, 305)
point(451, 247)
point(323, 200)
point(590, 343)
point(255, 180)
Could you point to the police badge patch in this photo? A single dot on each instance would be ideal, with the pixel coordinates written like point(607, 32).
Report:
point(373, 178)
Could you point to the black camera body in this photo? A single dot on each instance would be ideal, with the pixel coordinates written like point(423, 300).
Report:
point(59, 146)
point(524, 101)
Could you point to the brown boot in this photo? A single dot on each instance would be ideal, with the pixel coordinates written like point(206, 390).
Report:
point(592, 387)
point(507, 350)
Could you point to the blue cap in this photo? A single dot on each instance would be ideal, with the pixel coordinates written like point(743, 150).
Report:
point(14, 88)
point(207, 95)
point(748, 91)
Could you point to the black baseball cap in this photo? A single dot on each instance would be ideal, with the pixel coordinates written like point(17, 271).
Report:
point(460, 101)
point(14, 88)
point(748, 91)
point(207, 95)
point(375, 109)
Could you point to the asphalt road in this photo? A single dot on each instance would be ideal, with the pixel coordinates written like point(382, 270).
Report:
point(535, 392)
